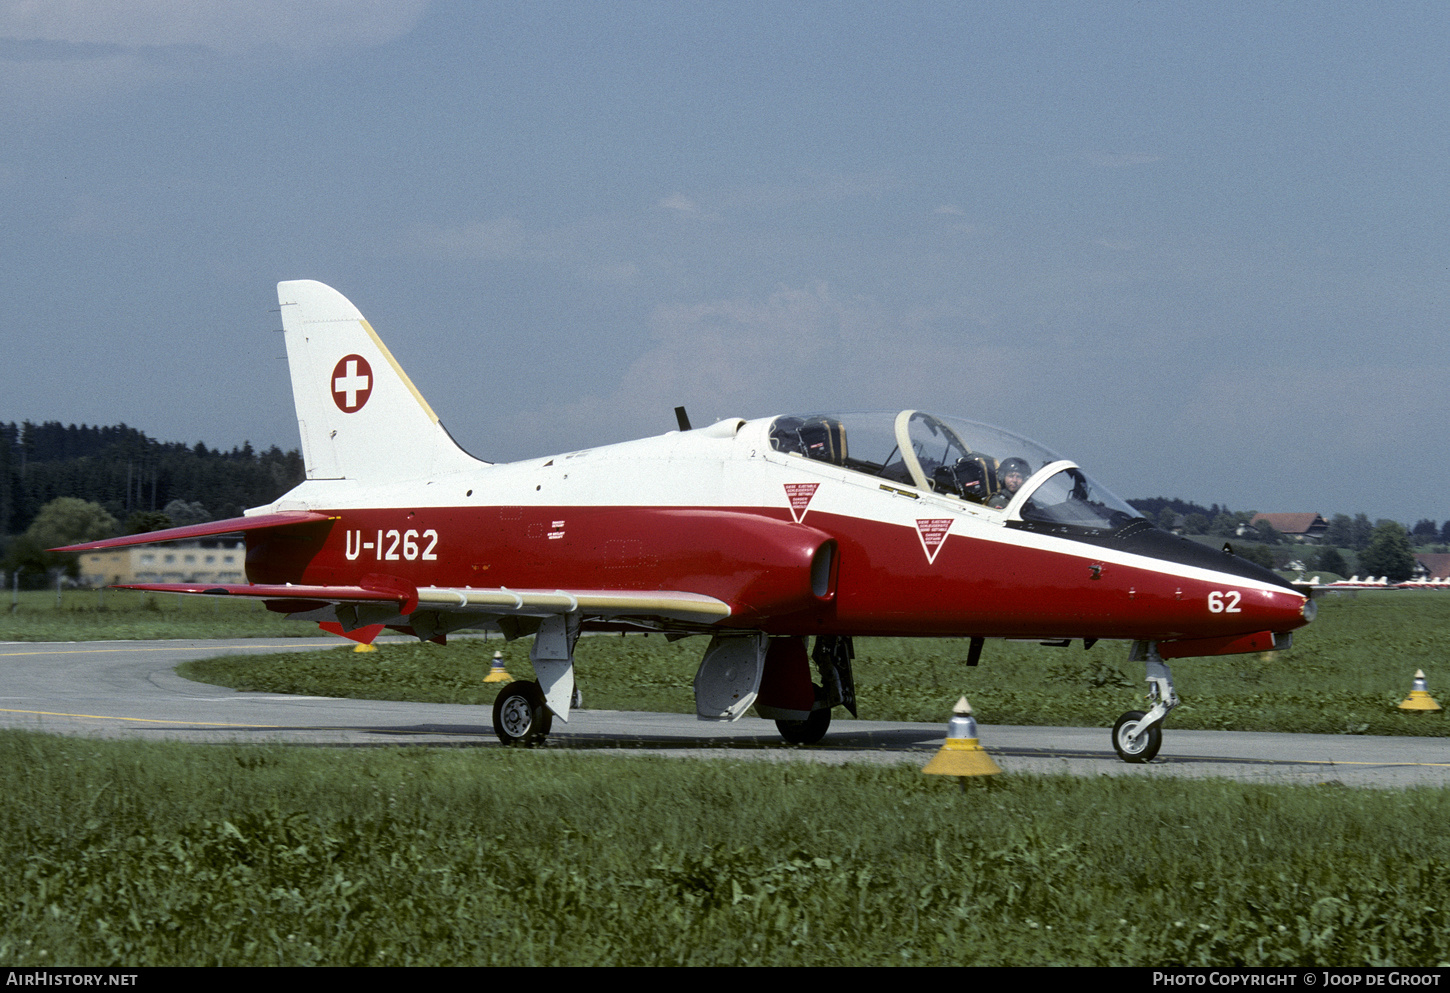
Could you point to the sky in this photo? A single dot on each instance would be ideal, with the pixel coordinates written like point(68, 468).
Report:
point(1200, 248)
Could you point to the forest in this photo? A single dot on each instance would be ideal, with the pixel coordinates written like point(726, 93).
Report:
point(130, 474)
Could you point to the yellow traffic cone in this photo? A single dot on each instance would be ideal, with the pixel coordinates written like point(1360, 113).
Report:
point(960, 755)
point(1419, 698)
point(497, 673)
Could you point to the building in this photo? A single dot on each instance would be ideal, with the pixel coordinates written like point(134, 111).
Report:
point(1308, 527)
point(210, 561)
point(1432, 565)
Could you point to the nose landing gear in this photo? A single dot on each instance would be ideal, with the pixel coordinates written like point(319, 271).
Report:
point(1137, 736)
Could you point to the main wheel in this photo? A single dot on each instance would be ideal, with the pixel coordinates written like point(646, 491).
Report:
point(808, 731)
point(520, 716)
point(1139, 747)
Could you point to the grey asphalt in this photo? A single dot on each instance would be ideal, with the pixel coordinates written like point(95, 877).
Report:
point(129, 689)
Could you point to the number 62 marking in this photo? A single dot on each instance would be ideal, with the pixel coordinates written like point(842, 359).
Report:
point(1224, 602)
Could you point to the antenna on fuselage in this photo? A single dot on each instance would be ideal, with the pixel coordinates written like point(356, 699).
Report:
point(682, 418)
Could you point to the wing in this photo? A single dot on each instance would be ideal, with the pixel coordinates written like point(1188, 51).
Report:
point(361, 612)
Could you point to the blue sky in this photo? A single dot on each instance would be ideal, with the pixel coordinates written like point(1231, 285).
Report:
point(1200, 248)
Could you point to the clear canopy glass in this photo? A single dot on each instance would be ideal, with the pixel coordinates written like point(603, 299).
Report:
point(966, 460)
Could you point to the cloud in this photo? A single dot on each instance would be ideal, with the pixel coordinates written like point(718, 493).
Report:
point(812, 189)
point(497, 240)
point(222, 25)
point(39, 87)
point(58, 55)
point(798, 348)
point(589, 250)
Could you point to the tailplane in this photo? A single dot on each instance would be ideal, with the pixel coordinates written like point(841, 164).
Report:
point(360, 416)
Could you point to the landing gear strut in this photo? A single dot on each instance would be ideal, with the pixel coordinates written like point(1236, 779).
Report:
point(1137, 736)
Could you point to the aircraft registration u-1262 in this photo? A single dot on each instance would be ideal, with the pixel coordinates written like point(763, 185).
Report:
point(762, 534)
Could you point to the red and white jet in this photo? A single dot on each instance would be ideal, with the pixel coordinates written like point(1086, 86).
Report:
point(760, 533)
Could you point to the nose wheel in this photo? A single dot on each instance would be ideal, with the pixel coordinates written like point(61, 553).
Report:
point(1137, 736)
point(1134, 739)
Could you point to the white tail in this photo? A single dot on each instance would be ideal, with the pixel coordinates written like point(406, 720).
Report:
point(360, 416)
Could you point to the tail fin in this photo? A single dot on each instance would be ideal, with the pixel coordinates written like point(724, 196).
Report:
point(360, 416)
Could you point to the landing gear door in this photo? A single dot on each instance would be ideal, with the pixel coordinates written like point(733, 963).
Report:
point(729, 676)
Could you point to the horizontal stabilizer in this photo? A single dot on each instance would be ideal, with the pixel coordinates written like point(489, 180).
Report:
point(232, 525)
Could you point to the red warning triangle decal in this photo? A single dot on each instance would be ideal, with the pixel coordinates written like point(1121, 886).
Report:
point(799, 495)
point(933, 534)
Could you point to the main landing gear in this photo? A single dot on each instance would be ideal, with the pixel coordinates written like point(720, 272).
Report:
point(520, 715)
point(524, 712)
point(813, 728)
point(832, 655)
point(1137, 736)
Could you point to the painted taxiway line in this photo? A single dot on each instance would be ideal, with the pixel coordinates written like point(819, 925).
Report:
point(138, 720)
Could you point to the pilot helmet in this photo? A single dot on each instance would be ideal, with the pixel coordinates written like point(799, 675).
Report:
point(1014, 465)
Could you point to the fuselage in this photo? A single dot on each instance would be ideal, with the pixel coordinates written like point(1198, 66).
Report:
point(794, 544)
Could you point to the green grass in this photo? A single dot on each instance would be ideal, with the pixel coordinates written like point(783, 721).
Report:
point(135, 853)
point(105, 615)
point(131, 853)
point(1346, 674)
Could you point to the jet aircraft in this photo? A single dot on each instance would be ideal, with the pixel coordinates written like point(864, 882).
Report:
point(765, 535)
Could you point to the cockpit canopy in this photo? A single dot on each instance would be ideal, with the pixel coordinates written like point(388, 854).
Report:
point(972, 462)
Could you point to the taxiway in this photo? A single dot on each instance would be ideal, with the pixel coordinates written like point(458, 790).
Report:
point(129, 689)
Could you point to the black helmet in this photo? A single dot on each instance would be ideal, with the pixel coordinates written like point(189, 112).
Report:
point(1014, 465)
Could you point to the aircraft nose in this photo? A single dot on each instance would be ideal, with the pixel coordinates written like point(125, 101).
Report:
point(1285, 610)
point(1309, 610)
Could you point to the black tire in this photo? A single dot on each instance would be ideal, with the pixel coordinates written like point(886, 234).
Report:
point(520, 716)
point(808, 731)
point(1144, 746)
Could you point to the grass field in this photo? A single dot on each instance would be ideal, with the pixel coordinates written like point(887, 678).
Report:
point(132, 853)
point(1346, 674)
point(166, 854)
point(109, 615)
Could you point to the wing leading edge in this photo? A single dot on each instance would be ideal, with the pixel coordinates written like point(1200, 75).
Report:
point(432, 611)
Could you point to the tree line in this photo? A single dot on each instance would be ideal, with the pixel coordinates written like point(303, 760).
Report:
point(137, 482)
point(1378, 548)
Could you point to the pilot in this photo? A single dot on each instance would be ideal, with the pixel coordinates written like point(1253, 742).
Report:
point(1012, 473)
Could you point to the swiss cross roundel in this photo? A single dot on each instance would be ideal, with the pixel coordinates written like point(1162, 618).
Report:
point(352, 383)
